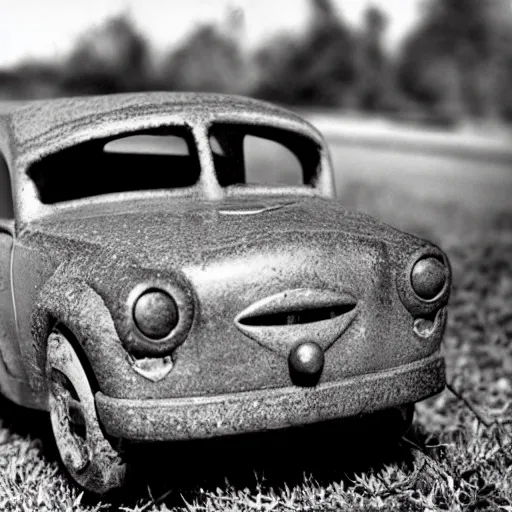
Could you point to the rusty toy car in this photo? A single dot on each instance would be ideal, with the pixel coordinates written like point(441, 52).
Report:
point(155, 287)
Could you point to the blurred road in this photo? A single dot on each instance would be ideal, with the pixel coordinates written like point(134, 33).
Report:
point(465, 168)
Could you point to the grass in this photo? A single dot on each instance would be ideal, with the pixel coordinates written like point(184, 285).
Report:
point(457, 456)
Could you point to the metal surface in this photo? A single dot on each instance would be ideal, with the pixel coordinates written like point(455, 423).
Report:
point(306, 361)
point(290, 309)
point(428, 278)
point(204, 417)
point(228, 266)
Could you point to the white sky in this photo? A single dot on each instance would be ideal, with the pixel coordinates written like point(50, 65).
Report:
point(47, 28)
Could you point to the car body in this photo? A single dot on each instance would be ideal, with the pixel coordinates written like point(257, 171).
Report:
point(189, 303)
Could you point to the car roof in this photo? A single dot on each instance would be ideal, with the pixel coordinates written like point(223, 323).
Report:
point(30, 130)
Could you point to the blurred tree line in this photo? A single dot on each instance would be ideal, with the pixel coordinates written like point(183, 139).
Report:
point(456, 65)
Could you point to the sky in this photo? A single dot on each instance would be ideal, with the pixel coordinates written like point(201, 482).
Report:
point(46, 29)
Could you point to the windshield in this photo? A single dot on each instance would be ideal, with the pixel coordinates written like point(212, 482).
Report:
point(264, 156)
point(153, 160)
point(167, 159)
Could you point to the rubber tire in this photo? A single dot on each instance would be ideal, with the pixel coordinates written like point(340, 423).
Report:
point(90, 460)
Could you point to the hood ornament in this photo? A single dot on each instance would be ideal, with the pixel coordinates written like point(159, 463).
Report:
point(242, 208)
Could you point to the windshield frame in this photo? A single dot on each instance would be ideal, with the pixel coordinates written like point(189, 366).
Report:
point(324, 185)
point(28, 207)
point(305, 151)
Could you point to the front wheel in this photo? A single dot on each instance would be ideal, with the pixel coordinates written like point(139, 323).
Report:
point(86, 453)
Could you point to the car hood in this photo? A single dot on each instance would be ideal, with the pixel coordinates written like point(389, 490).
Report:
point(177, 233)
point(241, 260)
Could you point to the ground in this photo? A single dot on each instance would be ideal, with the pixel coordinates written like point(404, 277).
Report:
point(457, 455)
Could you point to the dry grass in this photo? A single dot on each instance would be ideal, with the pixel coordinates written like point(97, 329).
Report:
point(458, 456)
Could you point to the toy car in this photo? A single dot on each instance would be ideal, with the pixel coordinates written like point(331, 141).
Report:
point(153, 287)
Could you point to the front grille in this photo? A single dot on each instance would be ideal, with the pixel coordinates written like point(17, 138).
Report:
point(295, 317)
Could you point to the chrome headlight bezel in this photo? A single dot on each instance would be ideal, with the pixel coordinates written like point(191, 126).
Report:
point(414, 303)
point(419, 277)
point(155, 314)
point(138, 343)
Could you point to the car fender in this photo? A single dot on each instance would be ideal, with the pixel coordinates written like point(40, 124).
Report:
point(73, 307)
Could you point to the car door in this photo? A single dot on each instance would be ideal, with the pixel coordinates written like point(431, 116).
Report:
point(12, 375)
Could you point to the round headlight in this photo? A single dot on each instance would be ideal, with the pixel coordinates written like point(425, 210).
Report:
point(428, 278)
point(155, 314)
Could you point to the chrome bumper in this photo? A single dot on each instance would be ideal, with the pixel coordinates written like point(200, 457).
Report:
point(259, 410)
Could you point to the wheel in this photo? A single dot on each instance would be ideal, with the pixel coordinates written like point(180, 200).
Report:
point(85, 452)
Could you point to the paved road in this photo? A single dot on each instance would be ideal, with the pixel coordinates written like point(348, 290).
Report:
point(464, 168)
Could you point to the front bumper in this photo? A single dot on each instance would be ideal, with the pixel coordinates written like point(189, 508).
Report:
point(266, 409)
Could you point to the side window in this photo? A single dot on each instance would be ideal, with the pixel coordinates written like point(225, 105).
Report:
point(154, 160)
point(268, 162)
point(263, 156)
point(6, 207)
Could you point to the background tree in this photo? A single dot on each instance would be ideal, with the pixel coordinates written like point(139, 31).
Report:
point(455, 59)
point(373, 71)
point(31, 80)
point(112, 58)
point(317, 68)
point(210, 59)
point(457, 63)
